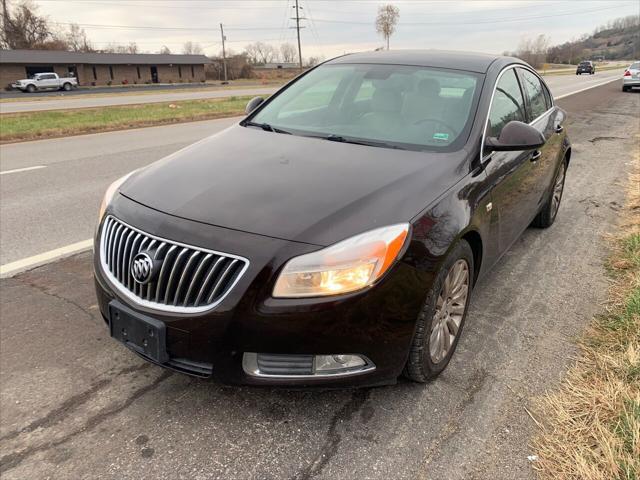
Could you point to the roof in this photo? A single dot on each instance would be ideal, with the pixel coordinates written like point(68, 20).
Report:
point(56, 56)
point(474, 62)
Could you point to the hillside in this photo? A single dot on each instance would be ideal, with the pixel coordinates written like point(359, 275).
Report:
point(619, 39)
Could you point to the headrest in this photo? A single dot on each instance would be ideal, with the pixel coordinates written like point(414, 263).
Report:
point(386, 100)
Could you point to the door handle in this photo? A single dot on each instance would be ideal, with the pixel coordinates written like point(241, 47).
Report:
point(536, 156)
point(559, 129)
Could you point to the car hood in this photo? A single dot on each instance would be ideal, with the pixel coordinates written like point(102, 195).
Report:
point(291, 187)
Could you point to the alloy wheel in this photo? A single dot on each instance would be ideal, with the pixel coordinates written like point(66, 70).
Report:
point(557, 191)
point(450, 308)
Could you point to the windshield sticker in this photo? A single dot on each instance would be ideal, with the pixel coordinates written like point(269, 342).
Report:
point(441, 136)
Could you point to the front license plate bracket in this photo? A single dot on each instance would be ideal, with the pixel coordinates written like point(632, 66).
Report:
point(145, 335)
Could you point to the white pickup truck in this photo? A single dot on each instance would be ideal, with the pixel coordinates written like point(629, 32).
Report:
point(45, 81)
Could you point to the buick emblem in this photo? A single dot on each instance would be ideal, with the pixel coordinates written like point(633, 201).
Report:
point(142, 268)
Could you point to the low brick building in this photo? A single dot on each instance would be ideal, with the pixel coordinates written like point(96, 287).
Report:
point(103, 68)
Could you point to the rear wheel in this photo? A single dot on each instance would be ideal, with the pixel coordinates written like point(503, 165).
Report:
point(547, 215)
point(440, 322)
point(66, 87)
point(625, 88)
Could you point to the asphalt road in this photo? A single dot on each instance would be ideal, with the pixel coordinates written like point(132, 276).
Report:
point(80, 101)
point(46, 208)
point(118, 89)
point(559, 84)
point(77, 405)
point(79, 169)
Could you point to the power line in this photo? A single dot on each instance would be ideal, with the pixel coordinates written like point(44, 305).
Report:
point(476, 22)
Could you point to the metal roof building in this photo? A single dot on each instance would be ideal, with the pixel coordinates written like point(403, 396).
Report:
point(94, 68)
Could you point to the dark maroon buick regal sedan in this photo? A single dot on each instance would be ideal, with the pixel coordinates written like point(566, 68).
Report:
point(333, 236)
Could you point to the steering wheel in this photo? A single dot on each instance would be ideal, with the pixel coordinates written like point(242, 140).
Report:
point(438, 122)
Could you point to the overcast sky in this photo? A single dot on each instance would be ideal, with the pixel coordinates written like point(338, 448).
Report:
point(333, 27)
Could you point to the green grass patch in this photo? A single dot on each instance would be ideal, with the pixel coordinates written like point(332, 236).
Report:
point(47, 124)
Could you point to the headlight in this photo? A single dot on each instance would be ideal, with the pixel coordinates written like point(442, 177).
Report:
point(111, 191)
point(347, 266)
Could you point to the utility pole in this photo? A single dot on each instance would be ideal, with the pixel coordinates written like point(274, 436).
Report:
point(224, 55)
point(298, 27)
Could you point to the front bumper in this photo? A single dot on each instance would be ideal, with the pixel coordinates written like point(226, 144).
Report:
point(377, 324)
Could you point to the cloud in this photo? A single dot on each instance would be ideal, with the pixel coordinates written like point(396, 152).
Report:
point(332, 27)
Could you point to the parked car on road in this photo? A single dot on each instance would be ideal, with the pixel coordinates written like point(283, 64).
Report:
point(631, 77)
point(334, 235)
point(586, 67)
point(45, 81)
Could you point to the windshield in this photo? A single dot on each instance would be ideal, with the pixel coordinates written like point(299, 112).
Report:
point(392, 105)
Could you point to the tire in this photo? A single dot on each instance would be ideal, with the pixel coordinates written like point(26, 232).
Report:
point(426, 362)
point(31, 88)
point(66, 87)
point(625, 89)
point(549, 211)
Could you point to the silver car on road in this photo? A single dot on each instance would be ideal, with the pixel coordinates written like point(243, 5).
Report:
point(631, 77)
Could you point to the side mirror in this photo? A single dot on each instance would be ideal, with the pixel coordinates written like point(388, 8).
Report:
point(253, 104)
point(515, 136)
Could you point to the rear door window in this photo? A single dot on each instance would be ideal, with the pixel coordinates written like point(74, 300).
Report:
point(535, 92)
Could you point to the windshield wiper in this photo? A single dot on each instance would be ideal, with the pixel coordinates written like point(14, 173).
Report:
point(266, 127)
point(361, 141)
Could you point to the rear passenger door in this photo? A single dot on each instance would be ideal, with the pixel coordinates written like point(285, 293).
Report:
point(548, 121)
point(48, 81)
point(513, 175)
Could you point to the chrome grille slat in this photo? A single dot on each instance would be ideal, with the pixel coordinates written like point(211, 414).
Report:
point(191, 279)
point(194, 279)
point(221, 280)
point(125, 257)
point(152, 285)
point(212, 271)
point(116, 254)
point(168, 260)
point(135, 248)
point(172, 275)
point(185, 271)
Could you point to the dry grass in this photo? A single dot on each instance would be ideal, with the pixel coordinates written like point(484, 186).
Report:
point(57, 123)
point(591, 427)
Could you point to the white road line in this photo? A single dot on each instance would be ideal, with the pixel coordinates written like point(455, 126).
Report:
point(13, 268)
point(26, 169)
point(587, 88)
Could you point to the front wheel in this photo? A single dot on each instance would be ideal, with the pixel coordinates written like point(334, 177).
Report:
point(547, 215)
point(442, 317)
point(31, 88)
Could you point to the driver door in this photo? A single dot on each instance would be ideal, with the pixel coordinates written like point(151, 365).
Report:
point(511, 174)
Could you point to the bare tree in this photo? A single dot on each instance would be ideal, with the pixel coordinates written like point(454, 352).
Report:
point(288, 52)
point(164, 50)
point(313, 61)
point(259, 52)
point(77, 40)
point(191, 48)
point(534, 50)
point(115, 48)
point(22, 27)
point(387, 20)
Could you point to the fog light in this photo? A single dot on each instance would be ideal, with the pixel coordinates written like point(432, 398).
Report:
point(332, 363)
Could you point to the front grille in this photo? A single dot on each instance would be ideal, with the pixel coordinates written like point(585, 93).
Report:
point(275, 364)
point(184, 278)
